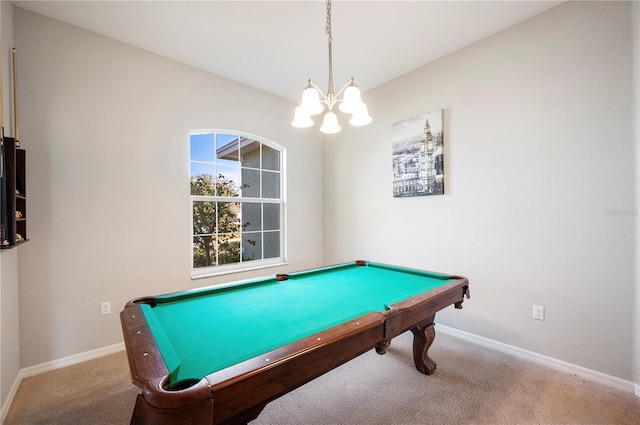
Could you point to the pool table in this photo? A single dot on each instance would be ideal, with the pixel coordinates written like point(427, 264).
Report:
point(218, 355)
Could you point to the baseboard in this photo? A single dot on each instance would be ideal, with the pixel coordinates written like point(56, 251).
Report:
point(12, 393)
point(53, 365)
point(71, 360)
point(588, 374)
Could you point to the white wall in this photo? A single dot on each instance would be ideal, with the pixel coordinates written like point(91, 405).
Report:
point(636, 56)
point(10, 329)
point(9, 316)
point(106, 129)
point(540, 191)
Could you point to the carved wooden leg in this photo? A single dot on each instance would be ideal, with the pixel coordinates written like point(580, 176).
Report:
point(145, 414)
point(423, 336)
point(381, 347)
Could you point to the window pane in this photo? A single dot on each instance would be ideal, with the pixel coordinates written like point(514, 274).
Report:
point(250, 183)
point(229, 249)
point(228, 181)
point(251, 217)
point(228, 217)
point(204, 218)
point(227, 149)
point(270, 158)
point(251, 246)
point(271, 216)
point(203, 185)
point(270, 184)
point(201, 147)
point(250, 153)
point(203, 251)
point(271, 244)
point(198, 168)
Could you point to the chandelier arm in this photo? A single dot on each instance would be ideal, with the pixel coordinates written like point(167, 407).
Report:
point(315, 86)
point(345, 85)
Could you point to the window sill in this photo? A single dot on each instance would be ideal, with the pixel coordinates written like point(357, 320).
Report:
point(209, 272)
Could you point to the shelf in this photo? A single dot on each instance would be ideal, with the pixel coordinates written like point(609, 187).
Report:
point(14, 198)
point(14, 245)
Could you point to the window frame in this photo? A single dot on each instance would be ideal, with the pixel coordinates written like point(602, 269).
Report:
point(242, 266)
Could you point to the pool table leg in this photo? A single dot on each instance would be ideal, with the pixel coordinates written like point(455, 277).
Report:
point(423, 335)
point(381, 347)
point(145, 414)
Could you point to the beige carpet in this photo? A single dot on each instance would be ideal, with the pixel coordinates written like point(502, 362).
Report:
point(472, 385)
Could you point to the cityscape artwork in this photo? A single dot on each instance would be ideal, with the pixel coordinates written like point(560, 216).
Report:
point(418, 166)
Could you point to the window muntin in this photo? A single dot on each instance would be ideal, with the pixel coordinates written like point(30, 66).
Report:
point(237, 202)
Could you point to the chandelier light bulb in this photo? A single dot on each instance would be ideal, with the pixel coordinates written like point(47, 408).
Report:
point(330, 123)
point(301, 118)
point(311, 101)
point(360, 115)
point(351, 98)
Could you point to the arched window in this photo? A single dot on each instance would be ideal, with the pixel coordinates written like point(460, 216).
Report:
point(237, 202)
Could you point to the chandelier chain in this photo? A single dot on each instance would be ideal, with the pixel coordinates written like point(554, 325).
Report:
point(328, 25)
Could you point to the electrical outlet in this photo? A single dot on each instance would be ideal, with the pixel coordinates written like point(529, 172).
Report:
point(105, 307)
point(538, 312)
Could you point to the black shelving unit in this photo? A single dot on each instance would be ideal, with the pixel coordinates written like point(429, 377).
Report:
point(14, 201)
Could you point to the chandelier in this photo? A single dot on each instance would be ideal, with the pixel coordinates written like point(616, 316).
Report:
point(314, 101)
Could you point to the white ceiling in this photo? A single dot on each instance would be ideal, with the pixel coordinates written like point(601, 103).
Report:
point(276, 46)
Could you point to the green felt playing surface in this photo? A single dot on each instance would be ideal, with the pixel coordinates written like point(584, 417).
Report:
point(203, 331)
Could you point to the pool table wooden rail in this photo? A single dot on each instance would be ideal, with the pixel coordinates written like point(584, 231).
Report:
point(237, 394)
